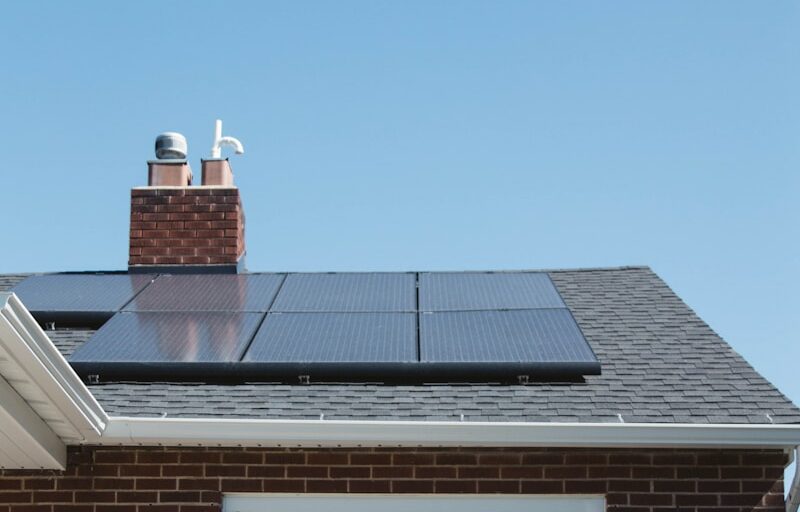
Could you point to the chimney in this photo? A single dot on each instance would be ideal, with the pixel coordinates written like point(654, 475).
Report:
point(179, 228)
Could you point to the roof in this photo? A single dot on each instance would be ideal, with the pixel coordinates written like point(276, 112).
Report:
point(660, 364)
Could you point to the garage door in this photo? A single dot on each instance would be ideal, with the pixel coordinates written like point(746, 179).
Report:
point(401, 503)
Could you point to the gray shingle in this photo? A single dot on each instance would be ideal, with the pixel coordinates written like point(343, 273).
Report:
point(68, 340)
point(8, 281)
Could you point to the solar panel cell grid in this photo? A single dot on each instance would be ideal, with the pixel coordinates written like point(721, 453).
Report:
point(79, 293)
point(209, 292)
point(185, 337)
point(335, 337)
point(548, 335)
point(347, 292)
point(467, 291)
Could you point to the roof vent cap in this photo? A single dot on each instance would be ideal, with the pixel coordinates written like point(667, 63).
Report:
point(171, 145)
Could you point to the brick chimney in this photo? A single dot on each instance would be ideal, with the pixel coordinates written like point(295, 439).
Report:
point(180, 228)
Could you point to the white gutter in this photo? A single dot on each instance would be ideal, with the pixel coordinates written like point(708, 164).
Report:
point(232, 432)
point(44, 405)
point(33, 365)
point(793, 496)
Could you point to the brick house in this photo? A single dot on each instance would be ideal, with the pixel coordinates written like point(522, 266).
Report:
point(134, 390)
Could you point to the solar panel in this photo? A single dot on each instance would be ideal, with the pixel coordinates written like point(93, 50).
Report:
point(538, 337)
point(467, 291)
point(79, 298)
point(139, 343)
point(335, 337)
point(209, 292)
point(366, 292)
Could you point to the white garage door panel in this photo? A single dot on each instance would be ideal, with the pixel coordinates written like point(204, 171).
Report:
point(401, 503)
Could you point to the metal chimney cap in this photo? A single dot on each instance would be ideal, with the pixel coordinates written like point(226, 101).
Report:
point(171, 145)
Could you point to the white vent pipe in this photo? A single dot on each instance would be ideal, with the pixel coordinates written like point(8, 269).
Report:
point(219, 141)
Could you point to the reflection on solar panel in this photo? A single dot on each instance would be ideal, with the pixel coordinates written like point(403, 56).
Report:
point(209, 292)
point(545, 336)
point(347, 292)
point(133, 342)
point(78, 298)
point(335, 337)
point(465, 291)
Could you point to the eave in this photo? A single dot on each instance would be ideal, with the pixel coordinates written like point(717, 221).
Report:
point(44, 407)
point(332, 433)
point(43, 404)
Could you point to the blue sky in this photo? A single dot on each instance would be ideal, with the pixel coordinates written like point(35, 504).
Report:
point(431, 135)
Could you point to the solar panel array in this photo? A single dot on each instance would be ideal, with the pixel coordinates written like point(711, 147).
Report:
point(327, 326)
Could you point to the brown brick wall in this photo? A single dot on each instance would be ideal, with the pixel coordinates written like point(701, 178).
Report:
point(193, 480)
point(186, 226)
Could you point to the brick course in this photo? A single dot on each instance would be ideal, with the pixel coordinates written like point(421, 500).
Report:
point(119, 479)
point(186, 226)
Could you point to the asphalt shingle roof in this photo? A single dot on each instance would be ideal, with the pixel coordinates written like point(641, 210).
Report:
point(660, 363)
point(7, 281)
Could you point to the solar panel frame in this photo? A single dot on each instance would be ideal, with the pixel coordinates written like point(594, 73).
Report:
point(545, 340)
point(475, 291)
point(82, 299)
point(368, 292)
point(209, 292)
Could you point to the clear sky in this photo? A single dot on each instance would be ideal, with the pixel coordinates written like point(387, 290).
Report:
point(431, 135)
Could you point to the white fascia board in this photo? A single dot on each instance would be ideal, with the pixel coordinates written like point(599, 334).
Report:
point(312, 433)
point(26, 441)
point(793, 493)
point(37, 371)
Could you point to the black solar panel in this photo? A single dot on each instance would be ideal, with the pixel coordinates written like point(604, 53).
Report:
point(368, 292)
point(535, 336)
point(467, 291)
point(134, 342)
point(335, 337)
point(209, 292)
point(79, 298)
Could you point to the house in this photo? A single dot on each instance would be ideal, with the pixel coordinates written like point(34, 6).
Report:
point(188, 384)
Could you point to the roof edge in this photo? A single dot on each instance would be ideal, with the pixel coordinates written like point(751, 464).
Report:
point(43, 378)
point(336, 433)
point(610, 268)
